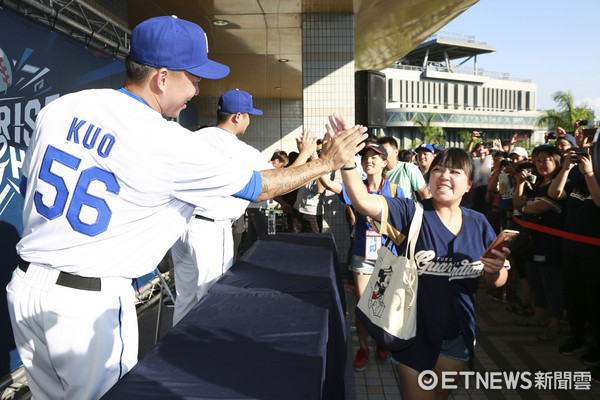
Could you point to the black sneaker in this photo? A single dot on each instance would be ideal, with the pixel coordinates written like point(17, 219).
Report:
point(591, 357)
point(572, 345)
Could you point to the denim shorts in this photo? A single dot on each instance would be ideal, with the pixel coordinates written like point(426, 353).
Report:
point(451, 348)
point(362, 266)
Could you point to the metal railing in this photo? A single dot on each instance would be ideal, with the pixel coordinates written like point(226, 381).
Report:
point(457, 37)
point(78, 20)
point(441, 67)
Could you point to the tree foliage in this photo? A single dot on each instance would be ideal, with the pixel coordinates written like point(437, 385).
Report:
point(465, 135)
point(566, 114)
point(431, 134)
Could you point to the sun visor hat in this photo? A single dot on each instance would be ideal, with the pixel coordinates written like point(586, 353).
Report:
point(175, 44)
point(377, 148)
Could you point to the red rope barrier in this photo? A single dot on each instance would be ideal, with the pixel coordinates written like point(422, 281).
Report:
point(557, 232)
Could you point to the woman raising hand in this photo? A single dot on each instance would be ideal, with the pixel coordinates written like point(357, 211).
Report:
point(448, 257)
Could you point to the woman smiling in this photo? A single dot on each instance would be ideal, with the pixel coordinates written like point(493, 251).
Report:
point(448, 257)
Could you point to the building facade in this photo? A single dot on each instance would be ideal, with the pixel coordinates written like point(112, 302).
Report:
point(461, 98)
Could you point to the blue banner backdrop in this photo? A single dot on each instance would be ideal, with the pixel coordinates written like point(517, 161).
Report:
point(37, 65)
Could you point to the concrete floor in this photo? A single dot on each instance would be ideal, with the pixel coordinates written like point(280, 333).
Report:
point(501, 346)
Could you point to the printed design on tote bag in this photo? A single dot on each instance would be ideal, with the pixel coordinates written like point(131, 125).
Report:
point(376, 301)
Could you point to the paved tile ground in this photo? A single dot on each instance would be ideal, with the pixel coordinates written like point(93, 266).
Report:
point(501, 346)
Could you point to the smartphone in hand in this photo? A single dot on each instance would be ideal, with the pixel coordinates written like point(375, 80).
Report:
point(504, 239)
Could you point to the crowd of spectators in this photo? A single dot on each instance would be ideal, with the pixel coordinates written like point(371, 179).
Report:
point(552, 197)
point(554, 277)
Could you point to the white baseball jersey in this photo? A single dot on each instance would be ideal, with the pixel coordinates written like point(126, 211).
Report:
point(232, 150)
point(112, 184)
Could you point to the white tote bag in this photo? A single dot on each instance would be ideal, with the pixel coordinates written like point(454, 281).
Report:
point(388, 307)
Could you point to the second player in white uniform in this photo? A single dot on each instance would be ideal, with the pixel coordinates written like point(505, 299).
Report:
point(110, 186)
point(205, 249)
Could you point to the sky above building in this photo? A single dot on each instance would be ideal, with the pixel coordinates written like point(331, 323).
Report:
point(553, 43)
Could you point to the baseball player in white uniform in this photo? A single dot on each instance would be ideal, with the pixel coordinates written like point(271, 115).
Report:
point(109, 186)
point(205, 249)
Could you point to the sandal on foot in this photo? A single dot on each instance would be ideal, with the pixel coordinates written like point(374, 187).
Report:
point(531, 321)
point(548, 334)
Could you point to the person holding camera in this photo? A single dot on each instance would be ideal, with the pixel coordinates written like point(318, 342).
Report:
point(581, 272)
point(501, 188)
point(543, 265)
point(492, 196)
point(501, 183)
point(565, 143)
point(560, 132)
point(482, 161)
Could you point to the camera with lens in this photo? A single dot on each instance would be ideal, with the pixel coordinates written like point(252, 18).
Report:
point(505, 158)
point(531, 179)
point(551, 135)
point(580, 153)
point(505, 161)
point(527, 165)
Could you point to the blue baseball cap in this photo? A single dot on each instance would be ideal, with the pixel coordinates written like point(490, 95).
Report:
point(425, 146)
point(237, 101)
point(569, 138)
point(175, 44)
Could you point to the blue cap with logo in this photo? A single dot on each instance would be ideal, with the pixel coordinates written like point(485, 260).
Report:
point(237, 101)
point(426, 147)
point(175, 44)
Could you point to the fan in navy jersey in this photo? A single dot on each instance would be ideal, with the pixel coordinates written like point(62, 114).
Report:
point(448, 256)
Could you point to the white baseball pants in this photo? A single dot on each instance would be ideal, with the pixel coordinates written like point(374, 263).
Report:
point(200, 256)
point(74, 344)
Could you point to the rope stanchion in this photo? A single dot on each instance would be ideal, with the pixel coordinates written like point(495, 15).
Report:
point(557, 232)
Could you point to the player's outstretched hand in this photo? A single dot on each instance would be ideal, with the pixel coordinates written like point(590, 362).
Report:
point(343, 142)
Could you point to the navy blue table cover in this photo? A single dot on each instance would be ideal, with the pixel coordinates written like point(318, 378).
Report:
point(305, 265)
point(247, 345)
point(211, 353)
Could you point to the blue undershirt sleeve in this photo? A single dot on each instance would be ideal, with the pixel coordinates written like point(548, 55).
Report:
point(252, 189)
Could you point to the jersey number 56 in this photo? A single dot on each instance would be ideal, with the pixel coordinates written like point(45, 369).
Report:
point(80, 195)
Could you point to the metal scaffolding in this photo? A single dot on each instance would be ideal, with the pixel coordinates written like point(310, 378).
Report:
point(78, 20)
